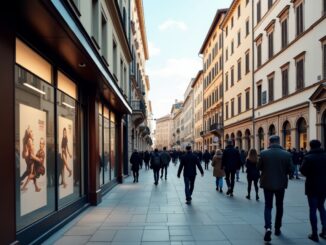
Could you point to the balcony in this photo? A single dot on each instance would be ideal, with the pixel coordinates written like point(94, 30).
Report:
point(216, 128)
point(138, 112)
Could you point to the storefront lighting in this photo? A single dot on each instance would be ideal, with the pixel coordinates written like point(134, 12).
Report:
point(66, 104)
point(33, 88)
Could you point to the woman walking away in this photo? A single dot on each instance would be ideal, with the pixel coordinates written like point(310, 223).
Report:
point(253, 174)
point(218, 172)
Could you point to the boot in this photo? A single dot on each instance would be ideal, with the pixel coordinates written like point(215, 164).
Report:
point(248, 196)
point(314, 237)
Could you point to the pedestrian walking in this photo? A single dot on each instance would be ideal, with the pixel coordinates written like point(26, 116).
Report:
point(206, 158)
point(275, 165)
point(314, 168)
point(231, 162)
point(188, 163)
point(165, 160)
point(156, 165)
point(147, 158)
point(135, 161)
point(218, 172)
point(253, 174)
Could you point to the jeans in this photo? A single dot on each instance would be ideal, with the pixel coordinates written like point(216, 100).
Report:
point(219, 182)
point(206, 165)
point(229, 177)
point(255, 185)
point(237, 173)
point(279, 196)
point(166, 171)
point(136, 174)
point(156, 175)
point(189, 186)
point(296, 171)
point(314, 204)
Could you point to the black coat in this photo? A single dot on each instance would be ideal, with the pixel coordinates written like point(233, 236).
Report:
point(252, 170)
point(314, 168)
point(135, 161)
point(231, 160)
point(206, 156)
point(189, 162)
point(147, 157)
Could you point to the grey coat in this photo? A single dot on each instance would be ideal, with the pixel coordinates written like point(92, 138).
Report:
point(275, 165)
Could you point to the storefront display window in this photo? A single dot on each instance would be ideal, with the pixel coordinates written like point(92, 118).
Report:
point(100, 138)
point(106, 152)
point(68, 134)
point(261, 142)
point(113, 143)
point(287, 135)
point(302, 133)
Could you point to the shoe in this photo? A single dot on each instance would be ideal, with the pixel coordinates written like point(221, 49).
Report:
point(248, 197)
point(277, 232)
point(267, 237)
point(188, 202)
point(314, 237)
point(323, 235)
point(221, 191)
point(228, 192)
point(216, 189)
point(134, 180)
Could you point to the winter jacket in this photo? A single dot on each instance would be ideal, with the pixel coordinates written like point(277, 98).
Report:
point(189, 162)
point(231, 160)
point(275, 165)
point(217, 164)
point(314, 168)
point(165, 158)
point(252, 170)
point(135, 161)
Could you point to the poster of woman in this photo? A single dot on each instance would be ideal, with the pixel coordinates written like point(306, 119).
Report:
point(65, 142)
point(32, 159)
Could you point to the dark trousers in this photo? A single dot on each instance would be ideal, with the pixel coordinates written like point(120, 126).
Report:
point(136, 174)
point(156, 174)
point(166, 171)
point(250, 180)
point(314, 204)
point(279, 196)
point(146, 165)
point(229, 178)
point(206, 164)
point(189, 186)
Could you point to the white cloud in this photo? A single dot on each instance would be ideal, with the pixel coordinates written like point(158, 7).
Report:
point(173, 24)
point(153, 50)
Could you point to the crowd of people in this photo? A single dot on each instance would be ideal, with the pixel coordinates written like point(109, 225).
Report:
point(271, 169)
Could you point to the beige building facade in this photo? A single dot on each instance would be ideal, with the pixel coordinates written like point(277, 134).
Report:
point(163, 135)
point(176, 112)
point(212, 51)
point(289, 75)
point(197, 87)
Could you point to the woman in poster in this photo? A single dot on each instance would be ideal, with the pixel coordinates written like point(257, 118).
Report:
point(35, 163)
point(64, 155)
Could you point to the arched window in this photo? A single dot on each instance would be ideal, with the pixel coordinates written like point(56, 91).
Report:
point(233, 139)
point(271, 130)
point(247, 139)
point(239, 139)
point(301, 133)
point(287, 135)
point(261, 143)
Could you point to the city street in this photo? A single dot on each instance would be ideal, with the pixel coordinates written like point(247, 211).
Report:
point(141, 213)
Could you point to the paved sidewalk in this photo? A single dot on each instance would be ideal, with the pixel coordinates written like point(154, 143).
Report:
point(142, 213)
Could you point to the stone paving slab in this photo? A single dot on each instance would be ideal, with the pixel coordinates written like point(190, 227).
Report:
point(145, 214)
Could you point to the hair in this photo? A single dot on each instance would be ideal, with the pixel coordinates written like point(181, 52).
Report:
point(188, 147)
point(252, 155)
point(274, 139)
point(315, 144)
point(218, 152)
point(156, 150)
point(164, 148)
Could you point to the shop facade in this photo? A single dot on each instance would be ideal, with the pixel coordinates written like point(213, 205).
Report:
point(62, 122)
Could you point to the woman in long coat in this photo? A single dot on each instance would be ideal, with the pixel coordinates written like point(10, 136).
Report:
point(218, 172)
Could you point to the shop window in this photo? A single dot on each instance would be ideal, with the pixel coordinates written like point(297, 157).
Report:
point(261, 143)
point(302, 134)
point(287, 135)
point(113, 145)
point(271, 130)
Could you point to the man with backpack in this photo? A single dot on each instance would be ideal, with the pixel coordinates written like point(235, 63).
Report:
point(165, 159)
point(156, 165)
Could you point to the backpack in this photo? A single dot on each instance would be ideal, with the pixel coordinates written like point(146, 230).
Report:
point(156, 161)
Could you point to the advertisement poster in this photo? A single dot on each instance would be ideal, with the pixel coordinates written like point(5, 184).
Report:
point(32, 131)
point(66, 166)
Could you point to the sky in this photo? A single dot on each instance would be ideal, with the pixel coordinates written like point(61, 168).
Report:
point(175, 30)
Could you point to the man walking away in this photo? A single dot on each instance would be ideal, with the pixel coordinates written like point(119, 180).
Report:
point(314, 168)
point(275, 165)
point(135, 161)
point(165, 159)
point(189, 162)
point(147, 157)
point(206, 158)
point(230, 163)
point(156, 165)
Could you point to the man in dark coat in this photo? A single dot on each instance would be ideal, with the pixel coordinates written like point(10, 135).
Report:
point(135, 161)
point(275, 165)
point(231, 162)
point(314, 168)
point(156, 165)
point(188, 163)
point(206, 158)
point(147, 157)
point(165, 159)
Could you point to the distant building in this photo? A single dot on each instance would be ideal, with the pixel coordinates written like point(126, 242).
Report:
point(163, 136)
point(197, 86)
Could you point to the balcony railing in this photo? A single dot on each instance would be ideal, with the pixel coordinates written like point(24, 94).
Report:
point(138, 106)
point(216, 127)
